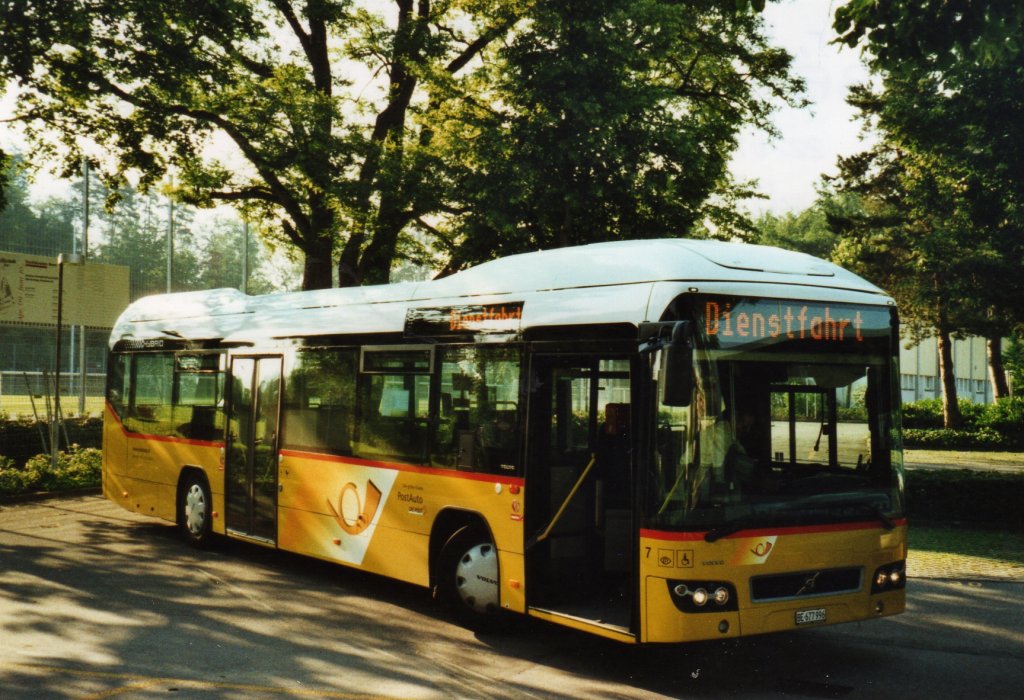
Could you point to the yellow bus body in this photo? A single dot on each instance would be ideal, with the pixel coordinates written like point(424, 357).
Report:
point(673, 556)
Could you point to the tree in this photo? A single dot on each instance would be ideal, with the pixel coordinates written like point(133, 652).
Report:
point(1014, 358)
point(951, 99)
point(221, 250)
point(916, 234)
point(609, 119)
point(807, 231)
point(134, 232)
point(328, 170)
point(937, 35)
point(151, 82)
point(338, 111)
point(45, 229)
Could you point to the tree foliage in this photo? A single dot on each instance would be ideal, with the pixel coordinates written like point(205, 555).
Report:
point(353, 127)
point(45, 229)
point(132, 231)
point(807, 231)
point(937, 35)
point(941, 217)
point(609, 119)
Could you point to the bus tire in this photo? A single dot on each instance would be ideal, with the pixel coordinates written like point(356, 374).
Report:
point(195, 509)
point(467, 580)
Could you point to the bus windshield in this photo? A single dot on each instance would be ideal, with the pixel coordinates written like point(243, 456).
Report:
point(793, 420)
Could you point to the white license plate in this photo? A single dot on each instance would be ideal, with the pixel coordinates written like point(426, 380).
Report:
point(805, 616)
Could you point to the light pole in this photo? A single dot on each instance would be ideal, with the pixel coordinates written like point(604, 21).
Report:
point(62, 259)
point(85, 255)
point(245, 256)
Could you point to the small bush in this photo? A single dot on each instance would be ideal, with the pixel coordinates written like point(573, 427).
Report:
point(1005, 416)
point(23, 438)
point(925, 414)
point(972, 413)
point(79, 467)
point(11, 478)
point(856, 414)
point(997, 426)
point(944, 439)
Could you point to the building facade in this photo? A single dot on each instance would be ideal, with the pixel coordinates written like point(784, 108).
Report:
point(919, 370)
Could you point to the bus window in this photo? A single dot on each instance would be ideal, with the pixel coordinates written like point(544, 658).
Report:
point(320, 401)
point(151, 394)
point(478, 416)
point(394, 405)
point(198, 410)
point(117, 385)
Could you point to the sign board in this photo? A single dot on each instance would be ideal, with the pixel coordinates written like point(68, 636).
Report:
point(737, 322)
point(464, 321)
point(94, 293)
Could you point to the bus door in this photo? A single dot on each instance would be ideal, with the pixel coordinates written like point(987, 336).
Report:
point(579, 525)
point(252, 446)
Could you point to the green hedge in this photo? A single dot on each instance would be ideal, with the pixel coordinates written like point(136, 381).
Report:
point(79, 467)
point(943, 439)
point(20, 440)
point(967, 497)
point(996, 426)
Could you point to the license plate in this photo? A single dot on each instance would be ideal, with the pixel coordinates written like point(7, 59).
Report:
point(804, 617)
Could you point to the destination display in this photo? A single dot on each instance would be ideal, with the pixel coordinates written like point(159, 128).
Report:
point(464, 320)
point(739, 322)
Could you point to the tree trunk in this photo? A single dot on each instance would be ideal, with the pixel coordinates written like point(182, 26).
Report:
point(997, 373)
point(316, 271)
point(952, 418)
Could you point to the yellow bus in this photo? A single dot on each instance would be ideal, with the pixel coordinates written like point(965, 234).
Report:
point(653, 441)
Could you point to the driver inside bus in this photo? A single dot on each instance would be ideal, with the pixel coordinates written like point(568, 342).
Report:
point(724, 462)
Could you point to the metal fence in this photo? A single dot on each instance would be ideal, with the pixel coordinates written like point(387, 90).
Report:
point(31, 394)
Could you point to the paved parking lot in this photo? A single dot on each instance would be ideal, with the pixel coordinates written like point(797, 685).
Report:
point(97, 603)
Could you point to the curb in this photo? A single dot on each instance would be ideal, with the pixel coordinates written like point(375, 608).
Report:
point(33, 496)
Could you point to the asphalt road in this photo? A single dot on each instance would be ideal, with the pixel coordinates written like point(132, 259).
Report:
point(99, 603)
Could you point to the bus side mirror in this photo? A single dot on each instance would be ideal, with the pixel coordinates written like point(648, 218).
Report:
point(676, 371)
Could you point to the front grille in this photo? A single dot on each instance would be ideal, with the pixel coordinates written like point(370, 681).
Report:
point(805, 584)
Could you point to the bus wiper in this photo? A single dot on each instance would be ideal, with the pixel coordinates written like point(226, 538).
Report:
point(732, 526)
point(838, 506)
point(823, 505)
point(876, 510)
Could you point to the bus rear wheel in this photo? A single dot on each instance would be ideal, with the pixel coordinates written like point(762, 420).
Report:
point(195, 510)
point(468, 579)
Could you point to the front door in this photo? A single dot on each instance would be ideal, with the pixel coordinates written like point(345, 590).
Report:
point(580, 555)
point(251, 458)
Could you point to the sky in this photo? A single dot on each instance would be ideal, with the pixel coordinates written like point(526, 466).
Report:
point(787, 168)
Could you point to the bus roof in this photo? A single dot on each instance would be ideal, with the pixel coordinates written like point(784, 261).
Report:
point(614, 282)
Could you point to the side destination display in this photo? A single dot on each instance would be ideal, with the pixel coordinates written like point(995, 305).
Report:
point(464, 321)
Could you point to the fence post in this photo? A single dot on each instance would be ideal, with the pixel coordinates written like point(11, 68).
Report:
point(35, 413)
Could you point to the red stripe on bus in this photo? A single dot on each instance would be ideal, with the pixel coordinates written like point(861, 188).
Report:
point(492, 478)
point(160, 438)
point(766, 531)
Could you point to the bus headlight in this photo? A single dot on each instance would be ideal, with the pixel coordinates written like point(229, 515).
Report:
point(890, 577)
point(703, 596)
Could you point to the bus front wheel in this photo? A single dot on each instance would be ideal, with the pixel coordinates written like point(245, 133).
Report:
point(195, 510)
point(468, 578)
